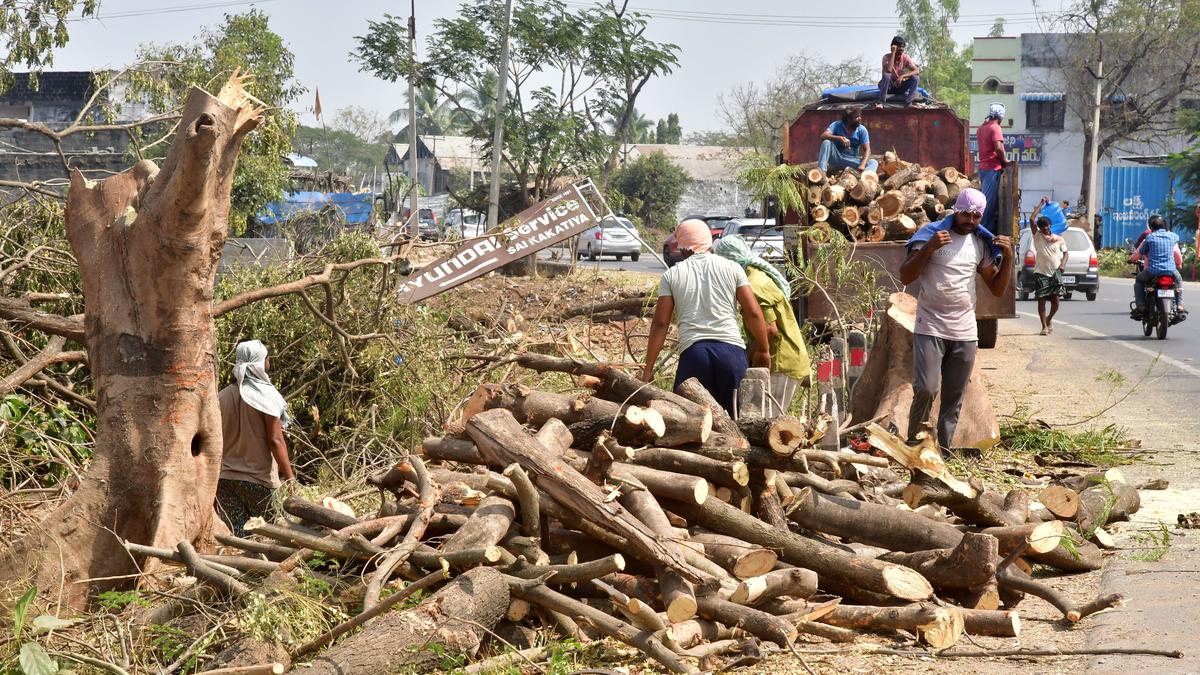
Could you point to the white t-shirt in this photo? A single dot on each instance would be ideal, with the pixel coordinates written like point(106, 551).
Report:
point(704, 287)
point(946, 288)
point(1047, 255)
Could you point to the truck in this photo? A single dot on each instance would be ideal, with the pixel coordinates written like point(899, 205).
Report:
point(929, 134)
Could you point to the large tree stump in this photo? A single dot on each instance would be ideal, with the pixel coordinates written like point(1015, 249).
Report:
point(885, 387)
point(147, 241)
point(456, 620)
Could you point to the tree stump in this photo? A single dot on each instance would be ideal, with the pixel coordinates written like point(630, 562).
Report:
point(147, 241)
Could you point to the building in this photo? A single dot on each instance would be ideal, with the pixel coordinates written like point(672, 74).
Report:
point(437, 158)
point(1037, 77)
point(713, 190)
point(56, 101)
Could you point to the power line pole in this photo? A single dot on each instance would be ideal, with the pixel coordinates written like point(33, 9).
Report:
point(414, 218)
point(498, 136)
point(1094, 150)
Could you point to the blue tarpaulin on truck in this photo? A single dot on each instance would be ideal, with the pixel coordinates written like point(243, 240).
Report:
point(355, 208)
point(862, 92)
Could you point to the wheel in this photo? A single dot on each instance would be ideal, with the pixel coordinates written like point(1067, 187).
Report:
point(1148, 321)
point(592, 255)
point(634, 256)
point(578, 255)
point(1023, 295)
point(1164, 319)
point(620, 257)
point(1091, 296)
point(988, 332)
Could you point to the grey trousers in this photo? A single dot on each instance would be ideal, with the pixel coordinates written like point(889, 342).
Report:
point(949, 361)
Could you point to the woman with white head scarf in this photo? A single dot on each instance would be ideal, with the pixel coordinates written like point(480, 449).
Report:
point(253, 415)
point(790, 366)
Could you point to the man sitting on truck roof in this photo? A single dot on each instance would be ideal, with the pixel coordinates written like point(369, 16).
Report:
point(846, 144)
point(943, 261)
point(899, 74)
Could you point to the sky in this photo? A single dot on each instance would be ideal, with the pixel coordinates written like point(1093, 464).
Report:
point(722, 44)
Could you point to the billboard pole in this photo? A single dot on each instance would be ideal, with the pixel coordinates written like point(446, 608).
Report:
point(498, 135)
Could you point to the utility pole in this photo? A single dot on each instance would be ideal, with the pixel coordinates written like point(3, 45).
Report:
point(498, 136)
point(414, 218)
point(1094, 150)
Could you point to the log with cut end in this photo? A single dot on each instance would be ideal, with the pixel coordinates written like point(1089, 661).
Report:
point(484, 528)
point(833, 195)
point(869, 176)
point(461, 615)
point(818, 213)
point(932, 208)
point(891, 204)
point(918, 217)
point(937, 188)
point(949, 174)
point(681, 425)
point(678, 595)
point(630, 423)
point(687, 634)
point(503, 441)
point(902, 177)
point(694, 391)
point(864, 191)
point(1106, 503)
point(899, 227)
point(742, 559)
point(876, 233)
point(969, 565)
point(782, 434)
point(1060, 500)
point(938, 627)
point(871, 215)
point(846, 217)
point(660, 483)
point(1042, 537)
point(728, 474)
point(815, 176)
point(795, 582)
point(827, 561)
point(992, 623)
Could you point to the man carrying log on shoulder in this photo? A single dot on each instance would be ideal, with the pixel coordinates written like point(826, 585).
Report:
point(705, 292)
point(943, 260)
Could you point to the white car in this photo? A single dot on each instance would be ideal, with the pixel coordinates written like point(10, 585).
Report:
point(616, 237)
point(764, 237)
point(1082, 271)
point(466, 224)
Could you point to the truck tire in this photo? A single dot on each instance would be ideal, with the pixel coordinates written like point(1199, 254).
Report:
point(988, 331)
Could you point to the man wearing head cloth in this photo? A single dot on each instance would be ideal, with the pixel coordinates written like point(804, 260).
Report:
point(944, 260)
point(253, 414)
point(992, 160)
point(705, 293)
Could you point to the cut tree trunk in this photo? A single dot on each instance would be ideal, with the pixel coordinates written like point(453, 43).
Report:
point(885, 387)
point(795, 582)
point(949, 174)
point(827, 561)
point(695, 392)
point(815, 176)
point(484, 528)
point(147, 241)
point(455, 620)
point(891, 203)
point(937, 188)
point(900, 227)
point(833, 195)
point(969, 565)
point(742, 559)
point(630, 424)
point(756, 622)
point(902, 177)
point(939, 627)
point(782, 434)
point(864, 191)
point(846, 217)
point(1106, 503)
point(818, 213)
point(1060, 500)
point(678, 595)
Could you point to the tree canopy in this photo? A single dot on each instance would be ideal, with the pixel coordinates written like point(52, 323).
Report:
point(598, 56)
point(651, 186)
point(945, 68)
point(31, 29)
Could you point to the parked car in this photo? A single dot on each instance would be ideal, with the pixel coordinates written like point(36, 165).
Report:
point(616, 237)
point(1082, 270)
point(762, 234)
point(465, 224)
point(427, 225)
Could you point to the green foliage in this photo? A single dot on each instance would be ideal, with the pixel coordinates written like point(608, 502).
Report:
point(436, 115)
point(32, 29)
point(550, 131)
point(945, 69)
point(288, 616)
point(244, 43)
point(1186, 163)
point(1154, 545)
point(44, 440)
point(1020, 433)
point(119, 600)
point(341, 151)
point(651, 186)
point(1114, 262)
point(762, 177)
point(668, 131)
point(20, 611)
point(35, 661)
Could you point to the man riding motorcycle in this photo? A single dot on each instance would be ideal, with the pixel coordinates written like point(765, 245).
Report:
point(1160, 251)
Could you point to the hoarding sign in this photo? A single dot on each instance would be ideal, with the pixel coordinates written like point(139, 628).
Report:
point(1020, 148)
point(544, 224)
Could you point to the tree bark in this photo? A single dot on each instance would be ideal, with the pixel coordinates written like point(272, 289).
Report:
point(742, 559)
point(795, 582)
point(939, 627)
point(147, 241)
point(457, 619)
point(782, 434)
point(753, 621)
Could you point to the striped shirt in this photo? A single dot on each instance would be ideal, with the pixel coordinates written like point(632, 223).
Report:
point(1159, 250)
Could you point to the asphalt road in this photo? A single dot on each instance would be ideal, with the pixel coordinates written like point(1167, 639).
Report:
point(646, 263)
point(1107, 321)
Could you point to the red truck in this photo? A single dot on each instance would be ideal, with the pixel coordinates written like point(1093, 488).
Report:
point(930, 134)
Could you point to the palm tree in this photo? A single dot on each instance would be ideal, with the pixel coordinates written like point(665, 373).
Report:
point(435, 116)
point(641, 128)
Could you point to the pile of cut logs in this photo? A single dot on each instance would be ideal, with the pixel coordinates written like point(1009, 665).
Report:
point(882, 206)
point(653, 518)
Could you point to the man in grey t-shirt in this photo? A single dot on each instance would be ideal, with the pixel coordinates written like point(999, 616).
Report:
point(943, 261)
point(705, 292)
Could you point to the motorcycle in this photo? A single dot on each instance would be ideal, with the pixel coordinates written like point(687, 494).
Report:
point(1160, 307)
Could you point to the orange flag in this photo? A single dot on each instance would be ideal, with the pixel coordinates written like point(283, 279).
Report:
point(317, 105)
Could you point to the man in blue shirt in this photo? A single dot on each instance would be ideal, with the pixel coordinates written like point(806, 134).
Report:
point(1160, 249)
point(846, 144)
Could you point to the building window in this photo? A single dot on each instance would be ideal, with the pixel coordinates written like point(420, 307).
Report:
point(1045, 115)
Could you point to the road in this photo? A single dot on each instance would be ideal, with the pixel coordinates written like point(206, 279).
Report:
point(646, 263)
point(1065, 377)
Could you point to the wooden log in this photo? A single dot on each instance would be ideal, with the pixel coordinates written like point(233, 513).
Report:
point(629, 423)
point(827, 561)
point(839, 487)
point(1017, 580)
point(272, 668)
point(680, 426)
point(949, 174)
point(932, 208)
point(1006, 623)
point(317, 514)
point(695, 392)
point(864, 191)
point(485, 528)
point(969, 565)
point(901, 227)
point(871, 215)
point(796, 582)
point(844, 217)
point(891, 204)
point(782, 434)
point(815, 176)
point(503, 441)
point(460, 615)
point(1060, 500)
point(1081, 483)
point(448, 449)
point(1042, 537)
point(902, 177)
point(660, 483)
point(847, 180)
point(869, 176)
point(555, 435)
point(937, 188)
point(939, 627)
point(818, 213)
point(876, 233)
point(608, 625)
point(754, 394)
point(918, 217)
point(688, 634)
point(832, 196)
point(874, 524)
point(1106, 503)
point(272, 551)
point(678, 595)
point(756, 622)
point(725, 473)
point(742, 559)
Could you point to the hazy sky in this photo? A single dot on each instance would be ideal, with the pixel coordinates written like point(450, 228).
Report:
point(721, 43)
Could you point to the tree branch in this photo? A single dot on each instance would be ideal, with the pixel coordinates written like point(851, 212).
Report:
point(51, 354)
